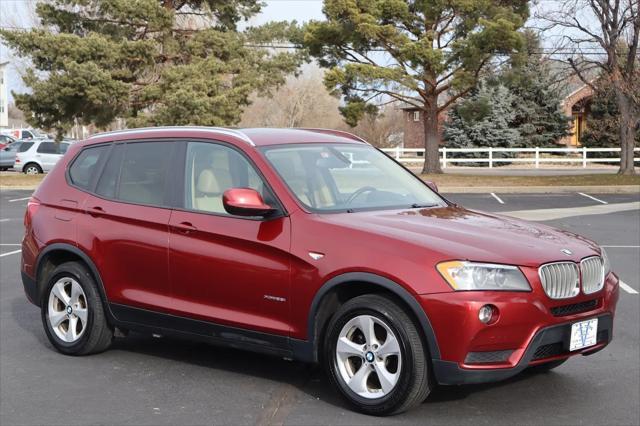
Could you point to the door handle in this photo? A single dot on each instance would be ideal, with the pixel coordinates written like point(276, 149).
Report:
point(96, 211)
point(185, 227)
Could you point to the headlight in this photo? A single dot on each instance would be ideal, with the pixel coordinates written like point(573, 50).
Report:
point(482, 276)
point(605, 262)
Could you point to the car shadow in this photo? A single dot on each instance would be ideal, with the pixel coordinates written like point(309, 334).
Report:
point(308, 379)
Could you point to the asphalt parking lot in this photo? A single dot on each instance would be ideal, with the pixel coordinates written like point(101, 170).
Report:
point(143, 380)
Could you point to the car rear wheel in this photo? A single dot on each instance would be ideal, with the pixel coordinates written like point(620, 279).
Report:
point(72, 312)
point(376, 357)
point(32, 169)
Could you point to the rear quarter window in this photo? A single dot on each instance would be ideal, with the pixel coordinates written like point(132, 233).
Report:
point(84, 168)
point(25, 146)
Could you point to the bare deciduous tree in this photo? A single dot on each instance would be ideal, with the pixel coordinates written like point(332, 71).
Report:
point(603, 35)
point(305, 102)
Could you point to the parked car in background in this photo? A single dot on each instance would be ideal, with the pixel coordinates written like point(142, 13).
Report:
point(26, 134)
point(6, 140)
point(8, 155)
point(39, 156)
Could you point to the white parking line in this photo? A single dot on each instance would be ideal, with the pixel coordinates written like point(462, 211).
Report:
point(497, 198)
point(10, 253)
point(593, 198)
point(5, 220)
point(10, 244)
point(19, 199)
point(627, 288)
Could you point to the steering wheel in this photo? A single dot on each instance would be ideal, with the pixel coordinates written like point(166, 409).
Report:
point(358, 193)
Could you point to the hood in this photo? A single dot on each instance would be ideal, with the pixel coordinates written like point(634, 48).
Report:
point(458, 233)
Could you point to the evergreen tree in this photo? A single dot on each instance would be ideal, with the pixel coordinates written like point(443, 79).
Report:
point(148, 61)
point(484, 119)
point(538, 115)
point(603, 123)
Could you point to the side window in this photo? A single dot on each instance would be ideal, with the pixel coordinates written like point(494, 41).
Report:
point(26, 134)
point(24, 146)
point(84, 167)
point(108, 181)
point(47, 148)
point(211, 169)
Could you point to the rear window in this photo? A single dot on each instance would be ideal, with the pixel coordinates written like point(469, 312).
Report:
point(52, 148)
point(24, 146)
point(84, 168)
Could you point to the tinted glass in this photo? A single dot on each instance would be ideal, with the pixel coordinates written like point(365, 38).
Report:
point(335, 177)
point(211, 169)
point(109, 179)
point(63, 148)
point(47, 148)
point(84, 166)
point(143, 177)
point(24, 146)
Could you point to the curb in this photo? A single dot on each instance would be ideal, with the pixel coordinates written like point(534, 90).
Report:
point(613, 189)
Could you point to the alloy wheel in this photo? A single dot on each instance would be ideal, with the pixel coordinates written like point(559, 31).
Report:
point(67, 310)
point(368, 357)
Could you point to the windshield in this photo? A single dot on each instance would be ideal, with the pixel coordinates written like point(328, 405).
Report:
point(348, 177)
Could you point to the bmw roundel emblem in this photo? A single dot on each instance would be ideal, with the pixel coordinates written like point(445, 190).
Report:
point(567, 252)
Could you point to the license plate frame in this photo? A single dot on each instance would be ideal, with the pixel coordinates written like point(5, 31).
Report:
point(584, 334)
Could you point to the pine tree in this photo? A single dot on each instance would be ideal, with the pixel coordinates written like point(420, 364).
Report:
point(483, 120)
point(148, 61)
point(538, 115)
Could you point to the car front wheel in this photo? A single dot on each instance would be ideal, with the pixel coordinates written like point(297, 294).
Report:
point(376, 357)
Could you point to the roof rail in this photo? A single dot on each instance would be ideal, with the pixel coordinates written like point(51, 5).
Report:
point(224, 130)
point(335, 133)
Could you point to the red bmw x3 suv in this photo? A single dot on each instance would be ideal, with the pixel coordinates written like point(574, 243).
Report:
point(305, 244)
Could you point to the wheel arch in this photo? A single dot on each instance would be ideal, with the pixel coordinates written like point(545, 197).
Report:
point(33, 162)
point(353, 284)
point(58, 253)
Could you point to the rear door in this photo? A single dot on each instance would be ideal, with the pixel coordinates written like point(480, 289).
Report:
point(226, 269)
point(125, 225)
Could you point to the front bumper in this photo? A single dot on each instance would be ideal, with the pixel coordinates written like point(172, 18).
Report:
point(531, 329)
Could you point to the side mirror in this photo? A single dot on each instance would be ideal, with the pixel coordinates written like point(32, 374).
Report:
point(245, 202)
point(432, 185)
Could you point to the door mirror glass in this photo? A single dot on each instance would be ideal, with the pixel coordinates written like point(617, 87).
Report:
point(432, 185)
point(245, 202)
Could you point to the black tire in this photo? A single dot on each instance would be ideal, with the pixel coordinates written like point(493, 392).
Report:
point(97, 335)
point(414, 381)
point(28, 166)
point(548, 366)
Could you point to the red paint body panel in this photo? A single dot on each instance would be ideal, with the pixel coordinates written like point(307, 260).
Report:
point(259, 275)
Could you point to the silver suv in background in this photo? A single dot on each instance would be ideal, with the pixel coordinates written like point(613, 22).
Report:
point(39, 156)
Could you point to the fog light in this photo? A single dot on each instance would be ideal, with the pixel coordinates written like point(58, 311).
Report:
point(486, 314)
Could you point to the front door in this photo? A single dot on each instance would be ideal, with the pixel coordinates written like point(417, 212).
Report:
point(224, 269)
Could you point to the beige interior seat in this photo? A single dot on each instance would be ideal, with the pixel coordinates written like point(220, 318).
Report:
point(208, 193)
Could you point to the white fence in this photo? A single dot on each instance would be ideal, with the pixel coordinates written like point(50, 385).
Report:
point(523, 155)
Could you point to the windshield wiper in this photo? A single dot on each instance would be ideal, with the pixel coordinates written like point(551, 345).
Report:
point(423, 206)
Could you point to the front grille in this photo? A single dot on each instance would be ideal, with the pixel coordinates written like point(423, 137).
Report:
point(560, 279)
point(575, 308)
point(490, 357)
point(592, 271)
